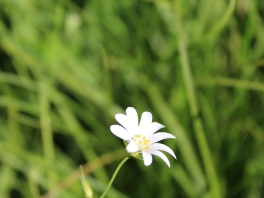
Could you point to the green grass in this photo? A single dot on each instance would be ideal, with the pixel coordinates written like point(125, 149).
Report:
point(66, 68)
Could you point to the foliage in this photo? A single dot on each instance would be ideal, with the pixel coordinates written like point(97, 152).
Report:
point(67, 67)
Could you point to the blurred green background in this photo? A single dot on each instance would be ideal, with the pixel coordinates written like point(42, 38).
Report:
point(67, 67)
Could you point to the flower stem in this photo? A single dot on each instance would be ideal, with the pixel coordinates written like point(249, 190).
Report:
point(114, 175)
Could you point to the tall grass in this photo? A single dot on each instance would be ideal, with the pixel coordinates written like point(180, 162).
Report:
point(67, 67)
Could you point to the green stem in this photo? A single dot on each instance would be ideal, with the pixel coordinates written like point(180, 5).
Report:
point(216, 29)
point(46, 130)
point(114, 175)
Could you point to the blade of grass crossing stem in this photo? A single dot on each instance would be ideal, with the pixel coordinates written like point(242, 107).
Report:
point(198, 127)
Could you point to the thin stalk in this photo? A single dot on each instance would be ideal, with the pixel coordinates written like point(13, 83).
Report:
point(199, 131)
point(113, 177)
point(218, 27)
point(46, 131)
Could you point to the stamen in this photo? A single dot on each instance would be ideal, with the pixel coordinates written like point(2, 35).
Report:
point(141, 141)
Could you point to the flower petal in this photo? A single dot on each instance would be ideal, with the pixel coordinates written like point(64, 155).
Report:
point(160, 136)
point(162, 156)
point(120, 132)
point(132, 116)
point(162, 147)
point(132, 147)
point(153, 127)
point(145, 121)
point(123, 120)
point(147, 157)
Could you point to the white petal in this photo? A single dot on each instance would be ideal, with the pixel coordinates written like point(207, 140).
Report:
point(153, 127)
point(120, 132)
point(132, 147)
point(162, 147)
point(162, 156)
point(132, 116)
point(123, 120)
point(160, 136)
point(145, 121)
point(147, 157)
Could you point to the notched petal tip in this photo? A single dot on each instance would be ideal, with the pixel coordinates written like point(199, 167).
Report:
point(122, 119)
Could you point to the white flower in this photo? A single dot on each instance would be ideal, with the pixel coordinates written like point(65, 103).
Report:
point(141, 137)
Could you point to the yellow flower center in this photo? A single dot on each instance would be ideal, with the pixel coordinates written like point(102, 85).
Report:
point(141, 141)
